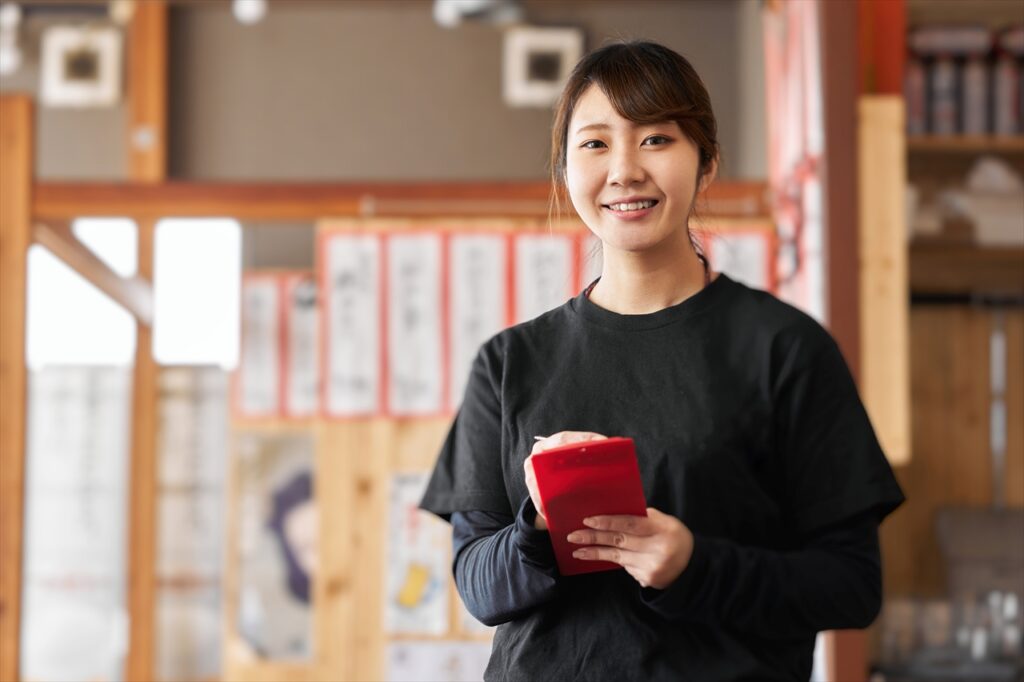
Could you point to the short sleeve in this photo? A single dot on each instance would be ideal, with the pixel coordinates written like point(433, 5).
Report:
point(468, 473)
point(834, 466)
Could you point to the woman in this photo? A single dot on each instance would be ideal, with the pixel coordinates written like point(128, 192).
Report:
point(764, 478)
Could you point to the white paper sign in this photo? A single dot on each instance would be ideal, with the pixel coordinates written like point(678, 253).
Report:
point(478, 295)
point(302, 389)
point(260, 365)
point(415, 359)
point(743, 256)
point(416, 599)
point(437, 661)
point(544, 266)
point(352, 265)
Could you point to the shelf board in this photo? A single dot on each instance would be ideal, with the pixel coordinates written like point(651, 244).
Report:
point(951, 269)
point(966, 144)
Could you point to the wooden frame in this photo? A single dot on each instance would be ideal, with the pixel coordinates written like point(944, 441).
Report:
point(16, 154)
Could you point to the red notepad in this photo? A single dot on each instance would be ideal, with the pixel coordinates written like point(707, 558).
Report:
point(587, 479)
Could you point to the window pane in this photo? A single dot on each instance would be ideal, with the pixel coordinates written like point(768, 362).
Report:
point(196, 289)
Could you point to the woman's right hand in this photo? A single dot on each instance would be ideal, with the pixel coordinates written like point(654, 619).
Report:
point(553, 441)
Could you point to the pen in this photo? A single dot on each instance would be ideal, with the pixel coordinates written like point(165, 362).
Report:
point(539, 437)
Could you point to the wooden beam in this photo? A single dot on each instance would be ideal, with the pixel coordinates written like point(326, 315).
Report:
point(147, 163)
point(313, 201)
point(142, 525)
point(133, 293)
point(147, 92)
point(884, 295)
point(16, 174)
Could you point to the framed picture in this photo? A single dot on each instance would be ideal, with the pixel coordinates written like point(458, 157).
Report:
point(81, 66)
point(538, 60)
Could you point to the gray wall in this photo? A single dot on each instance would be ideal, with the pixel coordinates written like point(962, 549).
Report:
point(377, 91)
point(361, 90)
point(74, 144)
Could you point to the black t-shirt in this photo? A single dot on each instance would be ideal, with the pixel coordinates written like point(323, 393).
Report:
point(748, 428)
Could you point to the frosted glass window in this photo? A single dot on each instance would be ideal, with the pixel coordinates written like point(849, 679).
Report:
point(71, 322)
point(197, 272)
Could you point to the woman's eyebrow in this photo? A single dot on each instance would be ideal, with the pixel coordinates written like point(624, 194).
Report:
point(592, 126)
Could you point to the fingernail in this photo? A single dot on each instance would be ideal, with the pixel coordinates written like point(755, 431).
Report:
point(579, 554)
point(575, 537)
point(589, 521)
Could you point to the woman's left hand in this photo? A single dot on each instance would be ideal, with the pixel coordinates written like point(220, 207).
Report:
point(655, 550)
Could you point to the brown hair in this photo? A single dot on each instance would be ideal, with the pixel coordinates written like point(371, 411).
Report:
point(646, 83)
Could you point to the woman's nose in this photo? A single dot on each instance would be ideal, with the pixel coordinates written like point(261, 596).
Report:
point(625, 168)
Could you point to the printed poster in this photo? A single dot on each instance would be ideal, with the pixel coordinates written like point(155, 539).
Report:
point(415, 354)
point(544, 274)
point(352, 284)
point(478, 301)
point(744, 256)
point(302, 368)
point(259, 371)
point(416, 598)
point(437, 661)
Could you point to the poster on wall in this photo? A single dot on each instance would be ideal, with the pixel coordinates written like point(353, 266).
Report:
point(277, 544)
point(478, 301)
point(352, 325)
point(415, 354)
point(544, 273)
point(302, 330)
point(437, 661)
point(416, 598)
point(259, 367)
point(745, 256)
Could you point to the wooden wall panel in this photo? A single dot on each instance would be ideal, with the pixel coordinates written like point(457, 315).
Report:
point(952, 463)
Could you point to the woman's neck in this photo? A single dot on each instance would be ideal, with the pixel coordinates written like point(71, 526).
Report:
point(631, 284)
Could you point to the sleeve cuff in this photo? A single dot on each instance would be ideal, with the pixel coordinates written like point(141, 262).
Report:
point(533, 544)
point(674, 601)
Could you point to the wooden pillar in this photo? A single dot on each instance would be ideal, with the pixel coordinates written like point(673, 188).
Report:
point(142, 525)
point(16, 147)
point(845, 650)
point(147, 162)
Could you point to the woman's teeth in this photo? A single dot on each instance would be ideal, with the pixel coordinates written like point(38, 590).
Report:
point(633, 206)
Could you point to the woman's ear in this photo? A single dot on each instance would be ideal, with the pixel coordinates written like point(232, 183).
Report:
point(709, 175)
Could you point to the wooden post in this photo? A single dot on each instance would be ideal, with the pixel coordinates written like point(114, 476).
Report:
point(16, 175)
point(147, 92)
point(845, 650)
point(142, 526)
point(147, 162)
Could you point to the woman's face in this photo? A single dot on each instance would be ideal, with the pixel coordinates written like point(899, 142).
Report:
point(631, 183)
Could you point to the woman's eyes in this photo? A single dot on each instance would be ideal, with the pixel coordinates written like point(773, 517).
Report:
point(652, 141)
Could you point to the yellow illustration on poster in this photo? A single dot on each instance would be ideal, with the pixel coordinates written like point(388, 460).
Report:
point(416, 598)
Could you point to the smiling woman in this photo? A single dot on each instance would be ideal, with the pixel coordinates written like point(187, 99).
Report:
point(765, 481)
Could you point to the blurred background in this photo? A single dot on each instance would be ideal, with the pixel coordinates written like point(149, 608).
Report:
point(249, 249)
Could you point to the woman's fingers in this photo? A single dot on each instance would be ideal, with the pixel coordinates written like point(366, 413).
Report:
point(630, 525)
point(561, 438)
point(595, 537)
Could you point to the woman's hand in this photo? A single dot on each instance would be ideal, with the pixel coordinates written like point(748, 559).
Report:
point(654, 550)
point(554, 441)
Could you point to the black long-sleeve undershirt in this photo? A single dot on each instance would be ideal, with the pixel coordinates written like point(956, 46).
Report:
point(505, 568)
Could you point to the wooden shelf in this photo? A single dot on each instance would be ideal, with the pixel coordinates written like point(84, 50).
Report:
point(950, 269)
point(966, 144)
